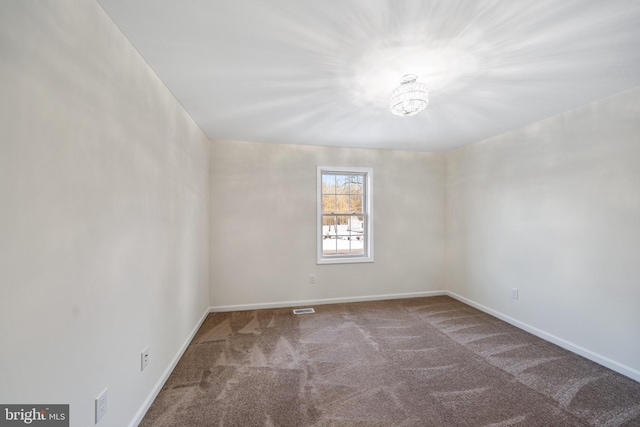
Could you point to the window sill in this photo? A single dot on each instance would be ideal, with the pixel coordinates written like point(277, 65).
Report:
point(344, 260)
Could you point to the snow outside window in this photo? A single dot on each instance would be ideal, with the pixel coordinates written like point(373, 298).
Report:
point(345, 218)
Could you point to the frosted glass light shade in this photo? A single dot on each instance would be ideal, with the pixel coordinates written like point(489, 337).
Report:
point(410, 97)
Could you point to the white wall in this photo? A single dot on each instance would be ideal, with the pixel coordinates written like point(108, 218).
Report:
point(554, 210)
point(263, 224)
point(103, 213)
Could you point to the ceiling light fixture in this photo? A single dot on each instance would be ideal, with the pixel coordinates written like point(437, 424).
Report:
point(410, 97)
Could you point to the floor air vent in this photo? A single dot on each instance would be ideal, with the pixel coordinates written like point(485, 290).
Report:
point(303, 311)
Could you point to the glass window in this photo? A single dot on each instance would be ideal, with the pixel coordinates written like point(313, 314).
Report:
point(345, 232)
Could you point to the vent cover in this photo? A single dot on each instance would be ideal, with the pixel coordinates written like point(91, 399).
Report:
point(303, 311)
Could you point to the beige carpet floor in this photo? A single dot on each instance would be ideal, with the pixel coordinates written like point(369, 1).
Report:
point(412, 362)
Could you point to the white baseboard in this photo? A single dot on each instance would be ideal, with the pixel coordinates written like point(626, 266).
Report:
point(165, 375)
point(284, 304)
point(567, 345)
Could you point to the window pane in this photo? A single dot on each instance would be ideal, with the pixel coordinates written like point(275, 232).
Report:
point(328, 204)
point(328, 226)
point(355, 187)
point(328, 184)
point(356, 225)
point(342, 222)
point(355, 204)
point(342, 204)
point(342, 184)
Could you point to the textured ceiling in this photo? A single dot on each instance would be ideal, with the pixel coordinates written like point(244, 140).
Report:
point(320, 73)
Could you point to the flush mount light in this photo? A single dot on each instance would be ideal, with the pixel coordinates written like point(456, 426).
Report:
point(410, 97)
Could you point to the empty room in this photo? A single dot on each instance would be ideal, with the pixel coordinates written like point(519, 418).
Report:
point(332, 214)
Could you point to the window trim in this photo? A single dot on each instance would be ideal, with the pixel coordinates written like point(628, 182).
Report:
point(368, 215)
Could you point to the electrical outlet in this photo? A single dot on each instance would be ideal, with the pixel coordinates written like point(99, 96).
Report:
point(312, 279)
point(101, 405)
point(514, 293)
point(144, 358)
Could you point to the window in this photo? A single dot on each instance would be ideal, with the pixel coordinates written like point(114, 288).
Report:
point(345, 217)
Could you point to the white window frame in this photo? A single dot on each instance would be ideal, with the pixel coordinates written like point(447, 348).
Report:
point(368, 217)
